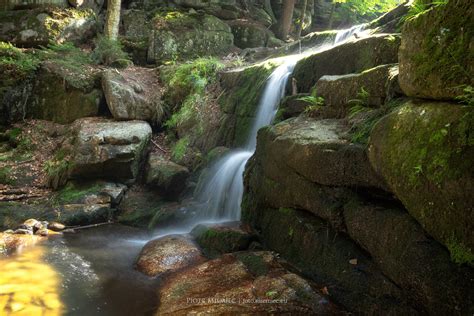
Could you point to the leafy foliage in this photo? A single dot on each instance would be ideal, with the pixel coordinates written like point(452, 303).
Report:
point(15, 64)
point(467, 98)
point(420, 7)
point(179, 150)
point(187, 86)
point(110, 53)
point(355, 11)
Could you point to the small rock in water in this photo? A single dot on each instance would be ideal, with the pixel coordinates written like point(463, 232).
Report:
point(55, 226)
point(31, 222)
point(25, 227)
point(9, 231)
point(42, 232)
point(22, 231)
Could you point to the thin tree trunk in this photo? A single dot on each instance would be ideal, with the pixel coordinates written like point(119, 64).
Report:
point(113, 19)
point(285, 19)
point(331, 16)
point(303, 14)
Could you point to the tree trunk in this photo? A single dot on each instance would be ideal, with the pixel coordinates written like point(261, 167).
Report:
point(113, 19)
point(303, 14)
point(285, 19)
point(269, 10)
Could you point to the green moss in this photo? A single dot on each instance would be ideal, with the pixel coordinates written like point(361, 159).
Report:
point(5, 175)
point(179, 149)
point(460, 254)
point(110, 53)
point(254, 263)
point(15, 64)
point(446, 46)
point(73, 193)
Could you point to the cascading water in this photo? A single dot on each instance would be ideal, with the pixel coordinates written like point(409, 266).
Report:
point(222, 191)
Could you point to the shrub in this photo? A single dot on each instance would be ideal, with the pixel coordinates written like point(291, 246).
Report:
point(110, 53)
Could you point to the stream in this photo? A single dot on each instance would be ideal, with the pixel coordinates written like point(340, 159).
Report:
point(91, 272)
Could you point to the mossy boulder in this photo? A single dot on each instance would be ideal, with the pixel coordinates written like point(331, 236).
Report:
point(325, 256)
point(248, 34)
point(292, 105)
point(109, 150)
point(424, 152)
point(243, 89)
point(133, 94)
point(352, 57)
point(436, 52)
point(62, 95)
point(370, 88)
point(7, 5)
point(135, 34)
point(166, 175)
point(252, 276)
point(216, 239)
point(414, 261)
point(40, 27)
point(180, 35)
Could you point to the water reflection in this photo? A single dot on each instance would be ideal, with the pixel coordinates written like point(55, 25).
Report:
point(28, 285)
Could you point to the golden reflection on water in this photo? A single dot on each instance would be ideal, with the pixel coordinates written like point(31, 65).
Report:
point(29, 286)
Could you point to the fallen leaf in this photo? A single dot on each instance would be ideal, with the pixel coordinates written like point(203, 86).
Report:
point(325, 291)
point(353, 261)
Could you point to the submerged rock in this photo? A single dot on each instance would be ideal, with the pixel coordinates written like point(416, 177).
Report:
point(133, 94)
point(166, 175)
point(222, 238)
point(168, 254)
point(240, 283)
point(424, 152)
point(108, 149)
point(352, 57)
point(436, 52)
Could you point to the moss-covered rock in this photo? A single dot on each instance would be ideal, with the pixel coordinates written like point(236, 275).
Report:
point(292, 105)
point(424, 152)
point(370, 88)
point(436, 52)
point(178, 35)
point(249, 34)
point(166, 175)
point(417, 263)
point(32, 28)
point(325, 256)
point(351, 57)
point(63, 95)
point(216, 239)
point(243, 89)
point(135, 34)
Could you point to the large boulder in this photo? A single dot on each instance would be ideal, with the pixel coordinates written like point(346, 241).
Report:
point(168, 254)
point(136, 29)
point(221, 238)
point(417, 263)
point(238, 284)
point(249, 34)
point(108, 149)
point(424, 152)
point(370, 88)
point(133, 94)
point(62, 97)
point(316, 150)
point(352, 57)
point(179, 35)
point(166, 175)
point(40, 27)
point(436, 52)
point(7, 5)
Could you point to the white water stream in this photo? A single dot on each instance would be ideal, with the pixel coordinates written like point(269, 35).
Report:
point(223, 189)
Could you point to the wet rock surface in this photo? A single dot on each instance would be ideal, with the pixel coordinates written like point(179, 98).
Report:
point(222, 238)
point(238, 284)
point(168, 254)
point(166, 175)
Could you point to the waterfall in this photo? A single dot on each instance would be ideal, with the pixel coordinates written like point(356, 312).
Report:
point(223, 188)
